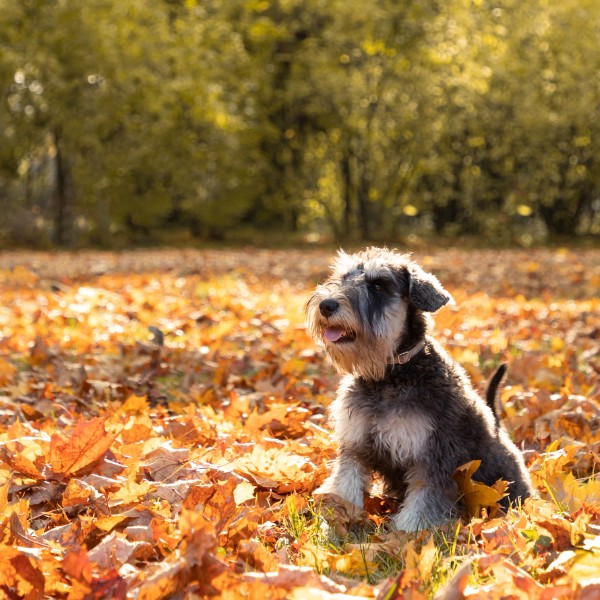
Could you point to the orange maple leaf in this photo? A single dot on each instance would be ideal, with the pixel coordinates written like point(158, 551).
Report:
point(7, 372)
point(474, 494)
point(87, 443)
point(77, 564)
point(19, 572)
point(19, 462)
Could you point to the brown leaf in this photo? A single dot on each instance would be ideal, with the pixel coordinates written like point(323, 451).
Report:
point(109, 585)
point(393, 543)
point(130, 492)
point(136, 405)
point(19, 535)
point(455, 588)
point(114, 550)
point(40, 353)
point(198, 533)
point(339, 513)
point(545, 515)
point(253, 555)
point(87, 443)
point(290, 577)
point(17, 571)
point(20, 463)
point(7, 372)
point(78, 492)
point(475, 495)
point(198, 494)
point(163, 579)
point(404, 586)
point(165, 464)
point(221, 507)
point(427, 559)
point(279, 469)
point(77, 564)
point(510, 578)
point(3, 498)
point(198, 489)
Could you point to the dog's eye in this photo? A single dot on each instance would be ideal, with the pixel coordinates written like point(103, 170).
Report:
point(376, 286)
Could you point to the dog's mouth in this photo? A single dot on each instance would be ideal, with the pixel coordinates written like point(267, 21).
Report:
point(337, 335)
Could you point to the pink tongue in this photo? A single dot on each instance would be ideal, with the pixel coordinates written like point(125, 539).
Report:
point(333, 334)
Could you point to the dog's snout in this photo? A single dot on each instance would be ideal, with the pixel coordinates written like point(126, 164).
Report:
point(328, 307)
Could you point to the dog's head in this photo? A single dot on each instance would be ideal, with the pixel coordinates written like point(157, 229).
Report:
point(371, 307)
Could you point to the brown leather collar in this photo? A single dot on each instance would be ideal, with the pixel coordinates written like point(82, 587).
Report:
point(404, 357)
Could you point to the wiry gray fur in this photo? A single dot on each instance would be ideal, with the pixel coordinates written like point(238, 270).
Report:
point(412, 423)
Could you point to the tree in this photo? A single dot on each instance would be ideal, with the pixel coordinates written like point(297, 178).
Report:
point(128, 121)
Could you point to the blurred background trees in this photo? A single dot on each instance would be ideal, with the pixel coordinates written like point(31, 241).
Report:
point(154, 121)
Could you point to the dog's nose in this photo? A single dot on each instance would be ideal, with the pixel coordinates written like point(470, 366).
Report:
point(328, 307)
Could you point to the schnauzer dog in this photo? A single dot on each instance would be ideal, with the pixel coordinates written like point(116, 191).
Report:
point(404, 408)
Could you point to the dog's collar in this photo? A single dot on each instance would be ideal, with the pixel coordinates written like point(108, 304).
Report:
point(404, 357)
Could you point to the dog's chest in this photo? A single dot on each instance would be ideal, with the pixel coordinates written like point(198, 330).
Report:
point(386, 433)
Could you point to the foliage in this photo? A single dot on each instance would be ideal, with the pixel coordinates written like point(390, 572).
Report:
point(353, 120)
point(162, 429)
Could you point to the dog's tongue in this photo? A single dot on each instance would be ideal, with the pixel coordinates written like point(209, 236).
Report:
point(333, 334)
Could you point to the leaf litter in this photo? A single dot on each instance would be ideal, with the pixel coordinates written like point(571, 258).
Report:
point(163, 429)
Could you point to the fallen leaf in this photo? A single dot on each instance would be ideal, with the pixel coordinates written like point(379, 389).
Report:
point(87, 443)
point(20, 463)
point(77, 564)
point(223, 433)
point(18, 572)
point(476, 495)
point(339, 513)
point(114, 551)
point(7, 372)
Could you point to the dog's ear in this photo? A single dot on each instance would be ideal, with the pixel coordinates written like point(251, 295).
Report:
point(425, 291)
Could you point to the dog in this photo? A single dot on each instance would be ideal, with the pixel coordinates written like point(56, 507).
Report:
point(404, 408)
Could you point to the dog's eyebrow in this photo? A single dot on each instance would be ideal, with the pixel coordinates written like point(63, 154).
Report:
point(373, 275)
point(357, 270)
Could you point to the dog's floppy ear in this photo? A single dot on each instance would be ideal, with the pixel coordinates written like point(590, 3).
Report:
point(425, 291)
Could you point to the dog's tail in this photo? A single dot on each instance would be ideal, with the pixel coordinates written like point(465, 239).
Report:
point(490, 394)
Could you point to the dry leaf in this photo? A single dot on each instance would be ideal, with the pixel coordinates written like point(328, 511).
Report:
point(87, 443)
point(19, 573)
point(7, 372)
point(475, 495)
point(340, 514)
point(205, 491)
point(20, 463)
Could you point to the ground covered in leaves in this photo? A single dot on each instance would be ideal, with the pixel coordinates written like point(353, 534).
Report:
point(163, 427)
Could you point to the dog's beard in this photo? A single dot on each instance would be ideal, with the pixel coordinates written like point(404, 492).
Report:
point(353, 348)
point(363, 357)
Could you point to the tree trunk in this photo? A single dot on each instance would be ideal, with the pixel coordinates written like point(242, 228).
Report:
point(561, 217)
point(364, 210)
point(364, 225)
point(61, 204)
point(346, 195)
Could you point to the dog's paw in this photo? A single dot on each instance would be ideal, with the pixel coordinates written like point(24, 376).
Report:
point(352, 495)
point(409, 520)
point(415, 518)
point(343, 516)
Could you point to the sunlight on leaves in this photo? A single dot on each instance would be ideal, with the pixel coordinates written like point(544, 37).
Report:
point(133, 468)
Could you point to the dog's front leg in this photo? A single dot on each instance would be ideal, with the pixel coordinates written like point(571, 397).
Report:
point(426, 504)
point(348, 480)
